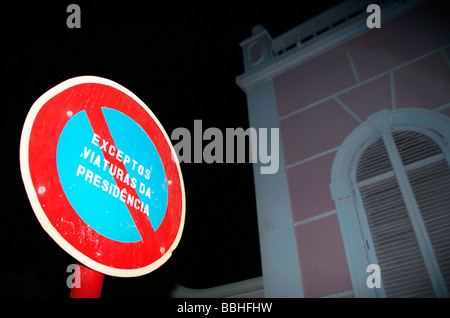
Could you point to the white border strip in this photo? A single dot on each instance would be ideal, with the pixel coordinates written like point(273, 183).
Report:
point(315, 218)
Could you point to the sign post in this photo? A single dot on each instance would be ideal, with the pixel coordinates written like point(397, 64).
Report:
point(102, 177)
point(92, 283)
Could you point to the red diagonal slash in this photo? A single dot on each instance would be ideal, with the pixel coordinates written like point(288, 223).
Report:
point(100, 127)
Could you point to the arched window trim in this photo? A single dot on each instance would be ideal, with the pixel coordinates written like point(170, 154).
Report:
point(351, 216)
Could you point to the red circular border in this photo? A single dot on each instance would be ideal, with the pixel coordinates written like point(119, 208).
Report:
point(45, 132)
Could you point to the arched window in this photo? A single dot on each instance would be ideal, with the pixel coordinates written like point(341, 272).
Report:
point(391, 185)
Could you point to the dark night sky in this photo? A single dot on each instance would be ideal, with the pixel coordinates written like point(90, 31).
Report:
point(181, 59)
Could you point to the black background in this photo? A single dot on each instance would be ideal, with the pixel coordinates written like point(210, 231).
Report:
point(181, 59)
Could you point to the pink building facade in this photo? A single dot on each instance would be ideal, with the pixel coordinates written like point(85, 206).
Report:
point(333, 86)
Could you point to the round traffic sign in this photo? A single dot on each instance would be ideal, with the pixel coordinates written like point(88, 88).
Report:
point(102, 176)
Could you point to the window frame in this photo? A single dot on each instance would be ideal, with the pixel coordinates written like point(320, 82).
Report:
point(344, 188)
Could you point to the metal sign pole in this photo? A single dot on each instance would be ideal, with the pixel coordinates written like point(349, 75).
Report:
point(91, 283)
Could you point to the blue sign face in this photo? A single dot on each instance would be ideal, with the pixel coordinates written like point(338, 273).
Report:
point(88, 179)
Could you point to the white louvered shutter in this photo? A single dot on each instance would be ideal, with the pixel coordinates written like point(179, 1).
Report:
point(406, 262)
point(429, 175)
